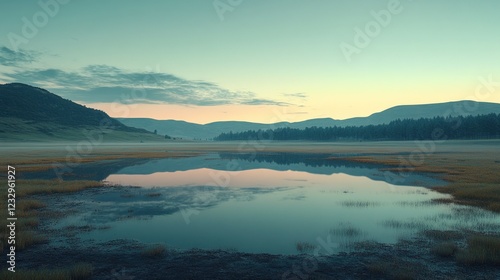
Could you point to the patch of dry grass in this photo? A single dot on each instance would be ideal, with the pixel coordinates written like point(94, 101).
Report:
point(27, 209)
point(44, 161)
point(78, 271)
point(359, 204)
point(481, 250)
point(156, 251)
point(27, 205)
point(393, 270)
point(445, 249)
point(443, 235)
point(304, 247)
point(346, 231)
point(474, 178)
point(30, 187)
point(25, 239)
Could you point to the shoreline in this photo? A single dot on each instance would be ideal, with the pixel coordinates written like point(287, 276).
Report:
point(473, 166)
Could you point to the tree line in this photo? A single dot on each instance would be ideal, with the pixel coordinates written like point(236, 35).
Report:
point(462, 127)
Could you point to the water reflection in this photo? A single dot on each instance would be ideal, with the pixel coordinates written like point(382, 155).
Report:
point(266, 205)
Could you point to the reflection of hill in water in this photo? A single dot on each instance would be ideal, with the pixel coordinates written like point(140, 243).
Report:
point(311, 163)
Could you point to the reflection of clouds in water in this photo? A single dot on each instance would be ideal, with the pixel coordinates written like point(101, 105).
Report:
point(136, 203)
point(297, 197)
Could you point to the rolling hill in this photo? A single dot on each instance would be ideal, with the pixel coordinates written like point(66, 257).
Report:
point(33, 114)
point(207, 131)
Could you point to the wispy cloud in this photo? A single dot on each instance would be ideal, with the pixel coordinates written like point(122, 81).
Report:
point(296, 95)
point(10, 57)
point(104, 83)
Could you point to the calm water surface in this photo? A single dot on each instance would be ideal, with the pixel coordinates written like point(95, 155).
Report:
point(269, 204)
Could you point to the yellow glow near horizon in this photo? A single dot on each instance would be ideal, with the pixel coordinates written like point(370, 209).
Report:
point(345, 103)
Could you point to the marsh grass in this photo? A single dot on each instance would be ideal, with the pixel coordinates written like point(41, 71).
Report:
point(393, 269)
point(155, 251)
point(28, 223)
point(31, 187)
point(481, 250)
point(304, 247)
point(45, 161)
point(346, 231)
point(414, 225)
point(445, 249)
point(78, 271)
point(25, 205)
point(359, 204)
point(443, 235)
point(473, 178)
point(153, 194)
point(416, 204)
point(28, 209)
point(477, 194)
point(25, 239)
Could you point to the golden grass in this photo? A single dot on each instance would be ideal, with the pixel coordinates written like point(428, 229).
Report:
point(45, 161)
point(443, 235)
point(481, 250)
point(474, 179)
point(25, 239)
point(27, 209)
point(29, 204)
point(30, 187)
point(304, 247)
point(78, 271)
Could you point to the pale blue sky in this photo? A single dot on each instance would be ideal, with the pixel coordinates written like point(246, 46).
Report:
point(252, 62)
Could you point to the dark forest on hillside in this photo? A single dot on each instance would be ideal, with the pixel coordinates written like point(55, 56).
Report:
point(469, 127)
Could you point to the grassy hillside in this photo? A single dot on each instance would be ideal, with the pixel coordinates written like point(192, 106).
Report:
point(32, 114)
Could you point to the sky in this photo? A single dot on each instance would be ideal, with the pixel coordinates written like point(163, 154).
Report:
point(253, 60)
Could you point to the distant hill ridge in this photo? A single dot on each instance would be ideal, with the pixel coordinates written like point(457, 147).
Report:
point(208, 131)
point(32, 103)
point(29, 113)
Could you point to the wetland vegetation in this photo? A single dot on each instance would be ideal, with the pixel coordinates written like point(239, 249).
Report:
point(50, 210)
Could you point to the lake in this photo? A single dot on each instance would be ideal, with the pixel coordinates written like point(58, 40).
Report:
point(277, 203)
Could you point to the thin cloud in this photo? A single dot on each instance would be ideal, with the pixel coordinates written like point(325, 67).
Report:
point(103, 83)
point(10, 57)
point(296, 95)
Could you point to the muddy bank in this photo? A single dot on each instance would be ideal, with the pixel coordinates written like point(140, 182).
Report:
point(125, 259)
point(122, 259)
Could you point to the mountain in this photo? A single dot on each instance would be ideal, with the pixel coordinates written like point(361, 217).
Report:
point(208, 131)
point(32, 114)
